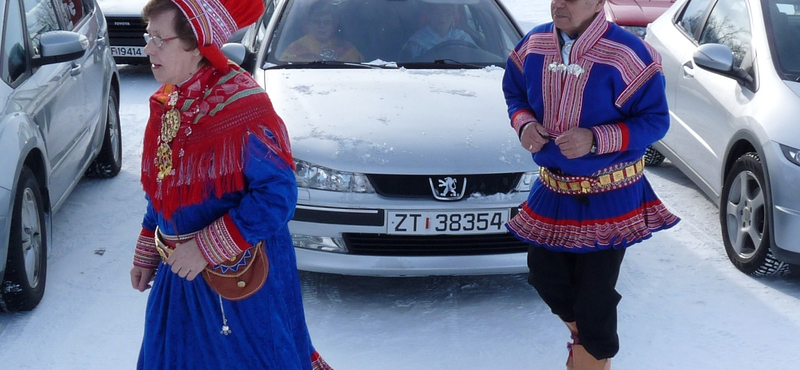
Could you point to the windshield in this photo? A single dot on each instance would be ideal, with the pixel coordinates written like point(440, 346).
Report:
point(349, 33)
point(783, 23)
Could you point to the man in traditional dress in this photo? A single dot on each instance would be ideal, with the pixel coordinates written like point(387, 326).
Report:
point(586, 99)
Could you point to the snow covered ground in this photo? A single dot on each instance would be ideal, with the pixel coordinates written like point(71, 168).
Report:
point(684, 306)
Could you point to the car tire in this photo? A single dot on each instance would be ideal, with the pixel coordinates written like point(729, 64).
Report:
point(743, 219)
point(26, 266)
point(108, 162)
point(653, 157)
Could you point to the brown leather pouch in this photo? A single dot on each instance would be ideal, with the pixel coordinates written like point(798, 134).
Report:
point(241, 278)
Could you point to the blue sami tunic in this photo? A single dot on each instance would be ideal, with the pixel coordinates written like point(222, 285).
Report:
point(612, 85)
point(232, 181)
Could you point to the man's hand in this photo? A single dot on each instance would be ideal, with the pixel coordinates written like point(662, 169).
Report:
point(533, 137)
point(141, 278)
point(186, 260)
point(575, 142)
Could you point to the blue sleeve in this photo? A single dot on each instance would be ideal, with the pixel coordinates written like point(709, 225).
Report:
point(150, 220)
point(648, 114)
point(271, 196)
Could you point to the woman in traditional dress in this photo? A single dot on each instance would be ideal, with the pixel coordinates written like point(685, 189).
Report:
point(217, 172)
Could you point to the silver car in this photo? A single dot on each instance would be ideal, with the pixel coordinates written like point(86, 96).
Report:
point(59, 120)
point(406, 162)
point(732, 70)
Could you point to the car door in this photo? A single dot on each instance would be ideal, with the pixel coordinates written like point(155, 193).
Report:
point(706, 104)
point(80, 16)
point(60, 101)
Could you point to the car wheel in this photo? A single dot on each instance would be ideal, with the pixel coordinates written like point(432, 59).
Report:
point(26, 266)
point(109, 161)
point(653, 157)
point(743, 219)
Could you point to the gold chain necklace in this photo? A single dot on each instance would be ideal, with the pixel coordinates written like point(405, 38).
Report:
point(170, 123)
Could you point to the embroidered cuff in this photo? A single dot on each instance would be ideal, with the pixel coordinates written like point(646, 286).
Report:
point(220, 241)
point(520, 119)
point(146, 255)
point(611, 138)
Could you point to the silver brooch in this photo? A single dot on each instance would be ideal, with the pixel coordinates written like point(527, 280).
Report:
point(573, 69)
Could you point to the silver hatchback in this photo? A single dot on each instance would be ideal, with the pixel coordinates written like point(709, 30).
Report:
point(732, 70)
point(59, 120)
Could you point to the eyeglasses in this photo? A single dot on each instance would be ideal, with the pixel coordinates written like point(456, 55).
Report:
point(157, 40)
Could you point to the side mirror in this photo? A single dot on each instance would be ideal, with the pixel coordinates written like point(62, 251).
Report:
point(718, 58)
point(60, 46)
point(714, 57)
point(235, 52)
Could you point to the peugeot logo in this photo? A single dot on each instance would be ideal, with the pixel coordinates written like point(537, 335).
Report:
point(447, 188)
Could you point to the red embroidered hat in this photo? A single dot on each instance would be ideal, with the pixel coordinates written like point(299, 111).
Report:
point(214, 21)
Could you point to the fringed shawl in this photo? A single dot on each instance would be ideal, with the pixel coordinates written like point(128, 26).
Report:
point(220, 111)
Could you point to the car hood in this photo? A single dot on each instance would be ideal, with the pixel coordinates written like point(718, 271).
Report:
point(398, 121)
point(636, 12)
point(126, 8)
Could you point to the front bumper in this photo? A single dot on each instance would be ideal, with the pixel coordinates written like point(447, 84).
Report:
point(353, 231)
point(346, 264)
point(784, 176)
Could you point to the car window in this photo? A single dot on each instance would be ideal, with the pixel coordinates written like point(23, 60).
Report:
point(382, 30)
point(71, 12)
point(14, 62)
point(693, 17)
point(729, 24)
point(783, 23)
point(40, 18)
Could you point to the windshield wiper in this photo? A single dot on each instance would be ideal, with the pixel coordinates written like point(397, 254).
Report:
point(441, 63)
point(327, 64)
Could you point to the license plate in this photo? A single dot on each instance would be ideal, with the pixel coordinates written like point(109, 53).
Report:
point(128, 51)
point(466, 222)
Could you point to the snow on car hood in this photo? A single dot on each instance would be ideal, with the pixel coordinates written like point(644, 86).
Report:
point(398, 121)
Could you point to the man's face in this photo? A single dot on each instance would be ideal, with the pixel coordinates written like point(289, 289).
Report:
point(573, 16)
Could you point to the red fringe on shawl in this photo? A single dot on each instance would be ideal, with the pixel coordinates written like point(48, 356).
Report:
point(220, 110)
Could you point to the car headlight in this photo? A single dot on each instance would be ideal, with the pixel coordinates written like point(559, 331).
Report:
point(792, 154)
point(637, 30)
point(526, 181)
point(312, 176)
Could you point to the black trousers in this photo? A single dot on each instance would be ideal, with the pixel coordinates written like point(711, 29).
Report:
point(581, 288)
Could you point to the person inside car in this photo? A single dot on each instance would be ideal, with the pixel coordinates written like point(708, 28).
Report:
point(320, 41)
point(439, 27)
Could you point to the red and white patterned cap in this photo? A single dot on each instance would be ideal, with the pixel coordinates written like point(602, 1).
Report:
point(214, 21)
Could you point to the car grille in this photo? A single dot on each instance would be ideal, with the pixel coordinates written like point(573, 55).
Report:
point(416, 186)
point(126, 31)
point(432, 245)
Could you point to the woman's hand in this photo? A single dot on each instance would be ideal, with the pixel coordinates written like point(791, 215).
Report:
point(575, 142)
point(141, 277)
point(186, 260)
point(533, 137)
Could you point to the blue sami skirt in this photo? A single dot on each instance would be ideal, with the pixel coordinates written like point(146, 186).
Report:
point(268, 330)
point(613, 219)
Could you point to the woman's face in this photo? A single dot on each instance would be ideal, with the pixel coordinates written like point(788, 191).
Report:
point(321, 26)
point(171, 63)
